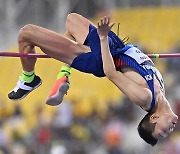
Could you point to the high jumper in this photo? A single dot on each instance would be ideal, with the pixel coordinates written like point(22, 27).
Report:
point(99, 51)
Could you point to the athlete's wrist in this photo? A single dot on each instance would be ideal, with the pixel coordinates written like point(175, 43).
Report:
point(102, 37)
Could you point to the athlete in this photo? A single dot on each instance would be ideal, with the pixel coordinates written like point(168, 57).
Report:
point(100, 52)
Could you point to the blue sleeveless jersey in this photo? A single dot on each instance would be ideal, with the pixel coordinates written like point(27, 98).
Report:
point(123, 56)
point(123, 60)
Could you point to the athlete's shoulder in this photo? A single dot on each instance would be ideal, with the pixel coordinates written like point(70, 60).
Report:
point(116, 40)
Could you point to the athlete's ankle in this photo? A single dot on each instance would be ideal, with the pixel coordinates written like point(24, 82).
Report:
point(65, 71)
point(27, 76)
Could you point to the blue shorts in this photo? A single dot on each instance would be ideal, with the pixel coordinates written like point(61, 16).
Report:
point(91, 62)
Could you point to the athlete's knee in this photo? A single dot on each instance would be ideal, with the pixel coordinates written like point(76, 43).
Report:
point(69, 20)
point(72, 16)
point(72, 21)
point(25, 32)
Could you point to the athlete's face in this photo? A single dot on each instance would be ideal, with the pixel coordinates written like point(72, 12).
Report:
point(165, 125)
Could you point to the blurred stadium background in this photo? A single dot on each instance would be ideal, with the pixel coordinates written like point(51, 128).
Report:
point(95, 118)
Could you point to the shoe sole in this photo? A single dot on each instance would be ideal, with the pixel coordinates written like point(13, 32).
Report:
point(58, 97)
point(27, 92)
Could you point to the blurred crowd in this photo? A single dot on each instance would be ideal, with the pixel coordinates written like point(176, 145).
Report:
point(113, 131)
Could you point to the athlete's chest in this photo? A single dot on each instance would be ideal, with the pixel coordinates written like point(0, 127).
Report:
point(136, 77)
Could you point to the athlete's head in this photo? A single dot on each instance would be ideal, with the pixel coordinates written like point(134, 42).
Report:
point(146, 129)
point(157, 125)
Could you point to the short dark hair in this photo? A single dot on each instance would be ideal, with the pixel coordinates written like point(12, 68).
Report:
point(146, 128)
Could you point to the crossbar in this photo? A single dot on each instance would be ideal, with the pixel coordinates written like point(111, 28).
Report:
point(35, 55)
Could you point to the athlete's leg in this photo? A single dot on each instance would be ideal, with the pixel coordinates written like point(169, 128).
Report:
point(77, 28)
point(51, 43)
point(74, 22)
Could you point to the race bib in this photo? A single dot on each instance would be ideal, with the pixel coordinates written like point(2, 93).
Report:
point(137, 55)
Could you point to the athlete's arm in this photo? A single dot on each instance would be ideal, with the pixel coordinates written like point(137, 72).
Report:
point(104, 27)
point(136, 93)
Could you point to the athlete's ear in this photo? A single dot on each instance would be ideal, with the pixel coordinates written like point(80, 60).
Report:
point(153, 118)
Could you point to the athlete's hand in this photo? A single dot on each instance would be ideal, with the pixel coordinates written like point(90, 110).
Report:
point(104, 26)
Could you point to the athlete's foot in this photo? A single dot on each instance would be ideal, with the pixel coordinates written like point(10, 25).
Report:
point(58, 91)
point(22, 88)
